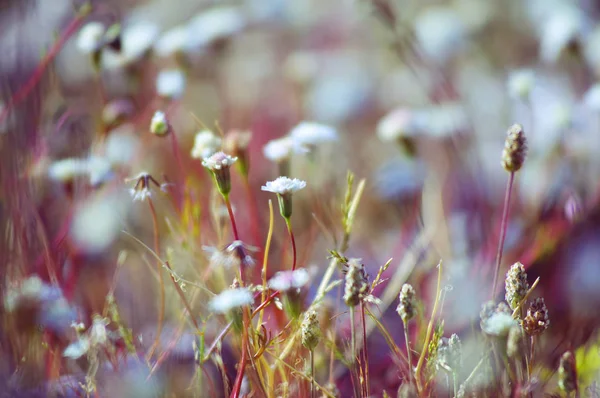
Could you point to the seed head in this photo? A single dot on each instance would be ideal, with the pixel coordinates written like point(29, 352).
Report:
point(357, 283)
point(567, 373)
point(537, 319)
point(310, 330)
point(515, 149)
point(159, 125)
point(406, 307)
point(516, 285)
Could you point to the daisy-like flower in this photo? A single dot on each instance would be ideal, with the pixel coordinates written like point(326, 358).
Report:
point(91, 37)
point(219, 164)
point(230, 299)
point(289, 280)
point(205, 144)
point(143, 182)
point(171, 83)
point(284, 187)
point(159, 125)
point(312, 134)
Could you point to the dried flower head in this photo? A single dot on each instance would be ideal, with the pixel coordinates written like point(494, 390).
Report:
point(219, 164)
point(449, 356)
point(515, 149)
point(516, 285)
point(159, 125)
point(567, 373)
point(284, 281)
point(357, 283)
point(284, 187)
point(407, 303)
point(537, 319)
point(205, 144)
point(143, 184)
point(230, 299)
point(311, 332)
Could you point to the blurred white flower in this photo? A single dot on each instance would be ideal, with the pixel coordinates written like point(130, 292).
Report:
point(520, 83)
point(159, 125)
point(287, 280)
point(171, 83)
point(282, 148)
point(121, 145)
point(230, 299)
point(91, 37)
point(395, 124)
point(592, 98)
point(99, 169)
point(98, 334)
point(136, 41)
point(498, 324)
point(310, 133)
point(562, 27)
point(440, 33)
point(173, 41)
point(205, 144)
point(65, 170)
point(218, 161)
point(212, 25)
point(284, 185)
point(78, 348)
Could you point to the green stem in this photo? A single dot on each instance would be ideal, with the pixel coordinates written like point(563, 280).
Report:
point(288, 222)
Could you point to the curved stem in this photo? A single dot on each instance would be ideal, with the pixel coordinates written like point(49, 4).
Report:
point(503, 225)
point(161, 308)
point(288, 222)
point(232, 218)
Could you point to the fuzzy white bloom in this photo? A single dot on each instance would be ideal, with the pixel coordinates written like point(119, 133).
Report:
point(205, 144)
point(78, 348)
point(91, 37)
point(395, 124)
point(310, 133)
point(563, 26)
point(288, 280)
point(230, 299)
point(65, 170)
point(592, 98)
point(520, 83)
point(99, 170)
point(159, 124)
point(173, 41)
point(284, 185)
point(282, 148)
point(440, 32)
point(136, 41)
point(499, 324)
point(212, 25)
point(98, 333)
point(218, 161)
point(171, 83)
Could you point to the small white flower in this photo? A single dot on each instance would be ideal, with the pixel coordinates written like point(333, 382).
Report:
point(562, 27)
point(498, 324)
point(520, 83)
point(287, 280)
point(78, 348)
point(284, 185)
point(592, 97)
point(395, 124)
point(230, 299)
point(205, 144)
point(171, 83)
point(99, 170)
point(310, 133)
point(212, 25)
point(98, 334)
point(173, 41)
point(65, 170)
point(90, 37)
point(143, 182)
point(218, 161)
point(282, 148)
point(136, 41)
point(159, 124)
point(440, 32)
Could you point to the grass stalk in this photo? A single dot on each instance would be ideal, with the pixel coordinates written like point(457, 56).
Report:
point(503, 226)
point(161, 307)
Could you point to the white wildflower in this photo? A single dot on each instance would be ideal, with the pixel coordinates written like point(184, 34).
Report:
point(137, 40)
point(98, 335)
point(498, 324)
point(562, 27)
point(288, 280)
point(592, 98)
point(230, 299)
point(90, 37)
point(99, 170)
point(281, 149)
point(173, 41)
point(171, 83)
point(212, 25)
point(159, 124)
point(520, 83)
point(205, 144)
point(78, 348)
point(310, 133)
point(65, 170)
point(395, 124)
point(218, 161)
point(440, 32)
point(284, 185)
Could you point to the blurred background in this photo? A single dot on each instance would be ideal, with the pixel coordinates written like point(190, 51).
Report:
point(420, 95)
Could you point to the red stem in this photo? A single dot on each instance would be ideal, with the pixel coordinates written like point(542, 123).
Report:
point(235, 393)
point(232, 218)
point(509, 185)
point(289, 225)
point(365, 349)
point(39, 71)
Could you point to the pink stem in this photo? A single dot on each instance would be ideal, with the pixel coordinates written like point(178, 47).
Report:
point(507, 196)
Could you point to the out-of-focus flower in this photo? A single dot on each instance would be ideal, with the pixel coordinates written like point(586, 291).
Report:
point(281, 149)
point(395, 125)
point(66, 170)
point(289, 280)
point(449, 355)
point(440, 33)
point(236, 143)
point(230, 299)
point(496, 320)
point(172, 41)
point(99, 169)
point(159, 125)
point(91, 37)
point(137, 40)
point(117, 111)
point(206, 143)
point(312, 134)
point(521, 83)
point(212, 25)
point(562, 27)
point(592, 98)
point(143, 184)
point(171, 83)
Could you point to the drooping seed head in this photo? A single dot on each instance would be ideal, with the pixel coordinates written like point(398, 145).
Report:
point(537, 319)
point(515, 149)
point(407, 303)
point(516, 285)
